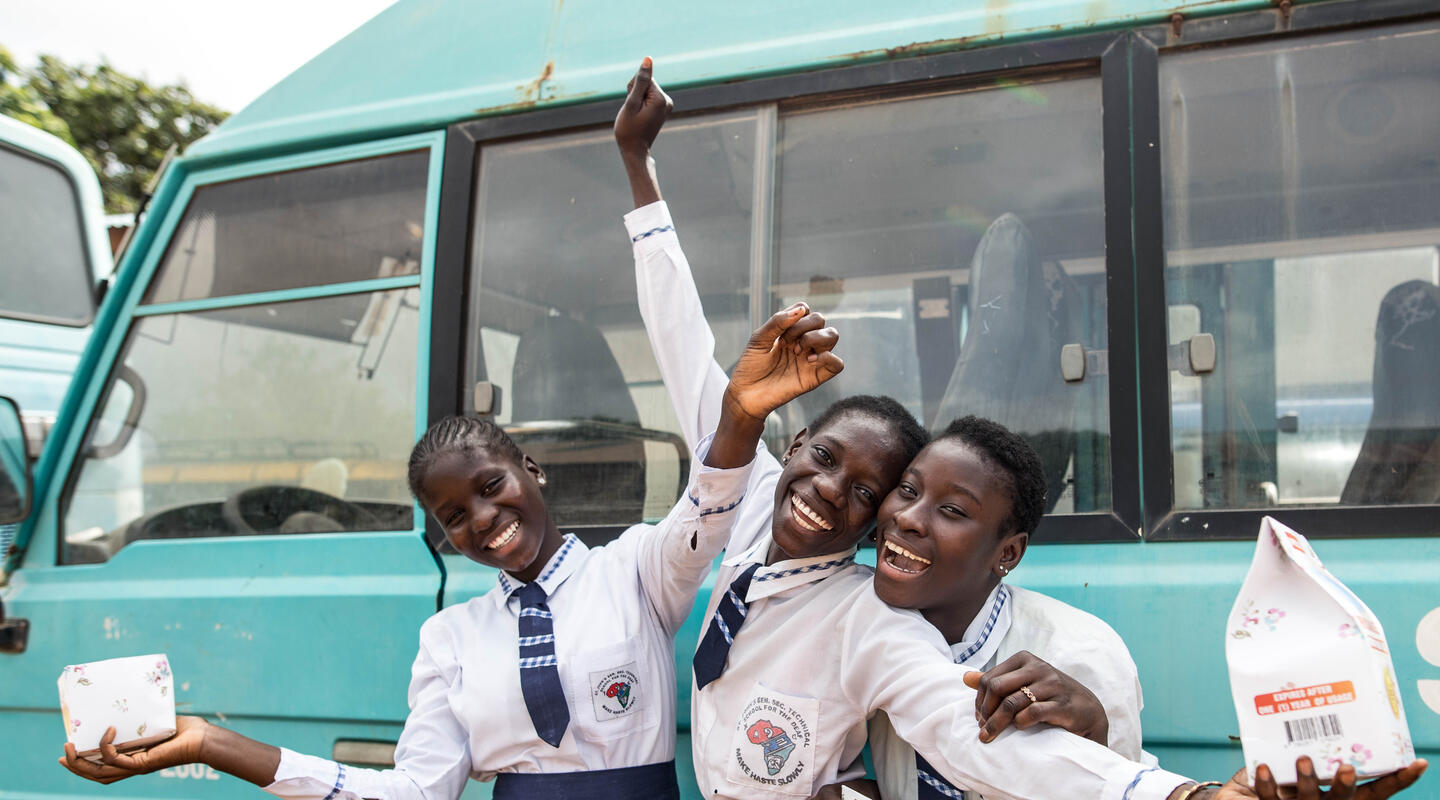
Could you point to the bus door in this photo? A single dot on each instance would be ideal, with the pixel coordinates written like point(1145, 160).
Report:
point(233, 492)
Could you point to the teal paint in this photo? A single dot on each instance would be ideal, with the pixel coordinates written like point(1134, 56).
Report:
point(520, 56)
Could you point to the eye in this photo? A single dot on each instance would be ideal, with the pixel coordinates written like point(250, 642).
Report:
point(454, 517)
point(824, 455)
point(906, 490)
point(865, 494)
point(492, 485)
point(950, 510)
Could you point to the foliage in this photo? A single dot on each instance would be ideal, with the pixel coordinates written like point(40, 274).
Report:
point(19, 101)
point(122, 124)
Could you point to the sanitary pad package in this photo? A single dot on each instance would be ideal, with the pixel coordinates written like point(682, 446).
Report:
point(135, 694)
point(1310, 669)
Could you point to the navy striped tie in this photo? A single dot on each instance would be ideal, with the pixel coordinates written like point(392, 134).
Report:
point(931, 785)
point(539, 675)
point(729, 616)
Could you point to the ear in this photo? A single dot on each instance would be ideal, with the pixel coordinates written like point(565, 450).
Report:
point(795, 445)
point(1012, 549)
point(534, 469)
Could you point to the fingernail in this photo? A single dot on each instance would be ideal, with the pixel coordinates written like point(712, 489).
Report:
point(646, 62)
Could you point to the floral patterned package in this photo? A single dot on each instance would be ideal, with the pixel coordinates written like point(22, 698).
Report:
point(1310, 669)
point(135, 694)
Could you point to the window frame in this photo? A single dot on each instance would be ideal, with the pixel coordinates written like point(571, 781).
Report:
point(1128, 67)
point(132, 310)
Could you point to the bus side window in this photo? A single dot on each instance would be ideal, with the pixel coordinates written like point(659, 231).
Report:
point(555, 323)
point(245, 414)
point(955, 263)
point(1302, 218)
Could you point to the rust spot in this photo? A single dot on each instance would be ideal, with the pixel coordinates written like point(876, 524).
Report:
point(530, 92)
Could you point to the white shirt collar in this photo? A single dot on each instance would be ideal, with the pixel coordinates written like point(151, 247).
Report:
point(785, 575)
point(560, 566)
point(986, 631)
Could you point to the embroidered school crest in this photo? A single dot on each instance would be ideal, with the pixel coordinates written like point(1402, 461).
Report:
point(774, 742)
point(620, 690)
point(614, 692)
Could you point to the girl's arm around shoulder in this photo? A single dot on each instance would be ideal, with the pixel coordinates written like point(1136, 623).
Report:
point(892, 663)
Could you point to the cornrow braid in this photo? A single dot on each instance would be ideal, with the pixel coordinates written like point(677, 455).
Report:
point(458, 434)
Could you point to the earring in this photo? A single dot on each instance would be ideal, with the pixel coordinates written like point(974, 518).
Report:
point(785, 459)
point(541, 480)
point(1004, 570)
point(874, 536)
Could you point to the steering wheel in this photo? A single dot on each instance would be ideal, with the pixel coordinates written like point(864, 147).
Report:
point(264, 509)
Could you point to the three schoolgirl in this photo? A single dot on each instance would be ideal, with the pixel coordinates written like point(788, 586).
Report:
point(798, 652)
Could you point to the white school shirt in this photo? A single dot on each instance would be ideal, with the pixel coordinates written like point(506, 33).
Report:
point(867, 656)
point(616, 610)
point(1075, 642)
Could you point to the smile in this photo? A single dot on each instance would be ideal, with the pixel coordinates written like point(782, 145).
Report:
point(505, 536)
point(904, 560)
point(805, 515)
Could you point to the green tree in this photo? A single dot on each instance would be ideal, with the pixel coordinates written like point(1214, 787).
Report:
point(122, 124)
point(19, 101)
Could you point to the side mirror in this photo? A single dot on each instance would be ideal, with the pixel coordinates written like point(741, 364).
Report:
point(15, 486)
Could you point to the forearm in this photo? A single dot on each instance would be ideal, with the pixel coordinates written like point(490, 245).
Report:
point(640, 170)
point(736, 436)
point(241, 756)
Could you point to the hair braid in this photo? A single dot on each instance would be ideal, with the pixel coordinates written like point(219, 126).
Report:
point(458, 434)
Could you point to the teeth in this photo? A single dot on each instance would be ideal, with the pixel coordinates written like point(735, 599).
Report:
point(808, 512)
point(897, 549)
point(505, 537)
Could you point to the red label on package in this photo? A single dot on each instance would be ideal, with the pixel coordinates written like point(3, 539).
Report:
point(1305, 698)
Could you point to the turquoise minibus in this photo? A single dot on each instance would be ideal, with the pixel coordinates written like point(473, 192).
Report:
point(1203, 236)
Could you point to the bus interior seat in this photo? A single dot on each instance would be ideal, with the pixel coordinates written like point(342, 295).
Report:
point(566, 375)
point(1008, 369)
point(1399, 459)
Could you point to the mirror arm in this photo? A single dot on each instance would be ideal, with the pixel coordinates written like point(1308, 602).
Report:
point(14, 633)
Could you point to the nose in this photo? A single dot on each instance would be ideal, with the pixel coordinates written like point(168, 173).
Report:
point(482, 515)
point(908, 518)
point(830, 486)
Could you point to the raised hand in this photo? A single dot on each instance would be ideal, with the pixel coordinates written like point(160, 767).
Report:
point(786, 357)
point(643, 113)
point(182, 748)
point(1058, 699)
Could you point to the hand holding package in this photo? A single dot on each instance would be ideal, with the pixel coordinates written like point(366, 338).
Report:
point(135, 695)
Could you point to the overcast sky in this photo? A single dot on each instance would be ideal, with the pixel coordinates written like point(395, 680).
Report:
point(228, 53)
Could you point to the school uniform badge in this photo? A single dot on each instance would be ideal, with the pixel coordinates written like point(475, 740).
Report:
point(774, 742)
point(614, 692)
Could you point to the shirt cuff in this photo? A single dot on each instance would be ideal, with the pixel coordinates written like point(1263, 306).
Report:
point(1151, 783)
point(650, 227)
point(301, 777)
point(714, 490)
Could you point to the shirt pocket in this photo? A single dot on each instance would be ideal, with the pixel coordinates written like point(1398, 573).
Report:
point(772, 748)
point(615, 691)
